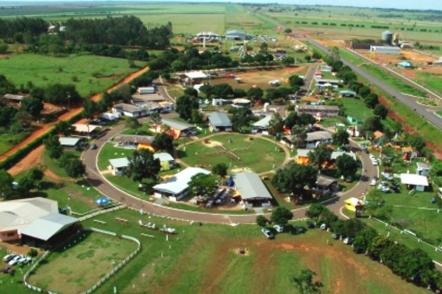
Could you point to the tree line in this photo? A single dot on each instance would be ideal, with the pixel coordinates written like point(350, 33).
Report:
point(413, 265)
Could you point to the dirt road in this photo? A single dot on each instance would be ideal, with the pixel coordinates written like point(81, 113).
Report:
point(44, 129)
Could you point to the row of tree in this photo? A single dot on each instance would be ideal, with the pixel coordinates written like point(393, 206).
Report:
point(413, 265)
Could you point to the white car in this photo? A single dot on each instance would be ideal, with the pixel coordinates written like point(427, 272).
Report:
point(278, 228)
point(15, 260)
point(8, 257)
point(22, 260)
point(373, 182)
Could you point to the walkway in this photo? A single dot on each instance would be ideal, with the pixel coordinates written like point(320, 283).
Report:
point(97, 180)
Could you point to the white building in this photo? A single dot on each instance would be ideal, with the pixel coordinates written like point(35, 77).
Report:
point(176, 186)
point(385, 50)
point(418, 182)
point(71, 142)
point(117, 166)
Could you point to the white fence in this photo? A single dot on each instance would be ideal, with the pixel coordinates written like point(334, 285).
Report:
point(106, 277)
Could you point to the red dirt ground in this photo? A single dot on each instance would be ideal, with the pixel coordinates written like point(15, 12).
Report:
point(44, 129)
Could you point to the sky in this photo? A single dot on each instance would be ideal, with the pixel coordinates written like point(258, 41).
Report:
point(398, 4)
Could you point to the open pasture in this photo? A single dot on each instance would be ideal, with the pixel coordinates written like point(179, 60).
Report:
point(236, 150)
point(260, 78)
point(90, 74)
point(219, 266)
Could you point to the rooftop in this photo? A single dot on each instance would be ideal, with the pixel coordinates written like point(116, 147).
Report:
point(219, 119)
point(264, 122)
point(336, 154)
point(196, 75)
point(250, 186)
point(414, 180)
point(85, 128)
point(176, 124)
point(68, 141)
point(134, 139)
point(318, 136)
point(46, 227)
point(119, 162)
point(179, 182)
point(163, 156)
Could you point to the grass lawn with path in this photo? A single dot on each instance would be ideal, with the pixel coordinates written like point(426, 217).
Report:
point(79, 267)
point(236, 150)
point(356, 108)
point(109, 151)
point(218, 267)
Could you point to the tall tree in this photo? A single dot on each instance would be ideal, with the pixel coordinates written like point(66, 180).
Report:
point(220, 169)
point(320, 155)
point(6, 185)
point(293, 178)
point(299, 135)
point(203, 185)
point(305, 284)
point(164, 142)
point(185, 105)
point(52, 145)
point(341, 137)
point(33, 106)
point(142, 165)
point(281, 216)
point(347, 166)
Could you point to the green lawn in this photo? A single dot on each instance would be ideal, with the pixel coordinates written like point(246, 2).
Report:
point(236, 150)
point(216, 267)
point(356, 108)
point(425, 223)
point(8, 140)
point(79, 196)
point(90, 74)
point(109, 151)
point(431, 81)
point(13, 283)
point(79, 267)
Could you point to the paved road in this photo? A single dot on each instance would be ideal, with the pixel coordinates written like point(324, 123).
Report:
point(410, 102)
point(98, 181)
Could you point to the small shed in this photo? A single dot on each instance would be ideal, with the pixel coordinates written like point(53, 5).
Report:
point(219, 122)
point(70, 142)
point(166, 160)
point(415, 181)
point(117, 166)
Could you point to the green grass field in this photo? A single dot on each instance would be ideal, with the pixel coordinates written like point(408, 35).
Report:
point(109, 151)
point(425, 223)
point(79, 267)
point(217, 267)
point(90, 74)
point(8, 140)
point(236, 150)
point(431, 81)
point(356, 108)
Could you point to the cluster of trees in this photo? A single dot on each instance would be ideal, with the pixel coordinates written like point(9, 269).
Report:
point(71, 163)
point(413, 265)
point(144, 168)
point(187, 106)
point(102, 36)
point(224, 91)
point(27, 183)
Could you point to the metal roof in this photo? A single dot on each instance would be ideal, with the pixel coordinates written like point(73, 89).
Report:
point(336, 154)
point(414, 180)
point(179, 182)
point(196, 75)
point(219, 119)
point(318, 136)
point(175, 124)
point(68, 141)
point(46, 227)
point(119, 162)
point(264, 122)
point(324, 181)
point(250, 186)
point(163, 156)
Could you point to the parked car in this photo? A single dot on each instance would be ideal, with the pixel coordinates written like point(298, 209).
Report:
point(8, 257)
point(279, 228)
point(323, 227)
point(373, 182)
point(268, 233)
point(348, 241)
point(14, 261)
point(94, 146)
point(298, 230)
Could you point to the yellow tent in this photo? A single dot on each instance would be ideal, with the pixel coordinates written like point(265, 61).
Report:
point(352, 203)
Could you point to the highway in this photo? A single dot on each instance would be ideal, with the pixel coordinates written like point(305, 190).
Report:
point(408, 101)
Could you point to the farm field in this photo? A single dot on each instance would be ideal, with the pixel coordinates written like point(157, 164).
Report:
point(236, 150)
point(261, 78)
point(90, 74)
point(79, 267)
point(219, 267)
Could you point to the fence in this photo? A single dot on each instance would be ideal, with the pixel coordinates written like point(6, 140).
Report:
point(103, 279)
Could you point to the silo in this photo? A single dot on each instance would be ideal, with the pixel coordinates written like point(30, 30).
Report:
point(387, 37)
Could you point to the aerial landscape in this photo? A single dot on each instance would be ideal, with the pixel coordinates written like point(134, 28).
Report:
point(220, 147)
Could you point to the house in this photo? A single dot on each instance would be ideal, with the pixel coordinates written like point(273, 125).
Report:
point(252, 189)
point(110, 116)
point(423, 169)
point(129, 110)
point(70, 142)
point(117, 166)
point(336, 154)
point(166, 160)
point(135, 141)
point(318, 137)
point(140, 99)
point(318, 111)
point(353, 204)
point(347, 93)
point(146, 90)
point(176, 128)
point(86, 130)
point(302, 156)
point(219, 122)
point(262, 125)
point(14, 99)
point(414, 181)
point(327, 83)
point(241, 103)
point(32, 218)
point(193, 77)
point(385, 49)
point(236, 35)
point(207, 36)
point(175, 187)
point(326, 185)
